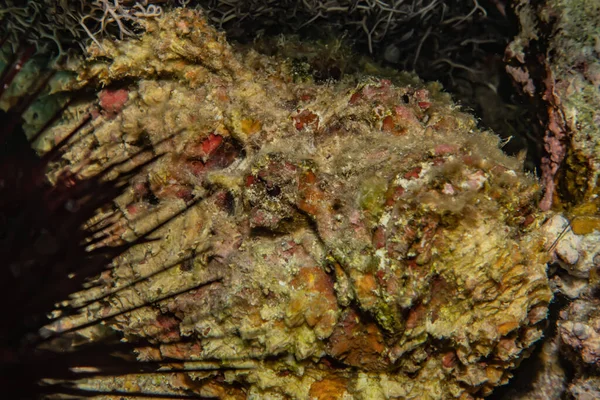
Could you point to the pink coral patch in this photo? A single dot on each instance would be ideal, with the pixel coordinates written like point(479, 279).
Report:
point(112, 101)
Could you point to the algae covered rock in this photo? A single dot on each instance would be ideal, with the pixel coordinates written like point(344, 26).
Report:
point(556, 61)
point(579, 329)
point(358, 238)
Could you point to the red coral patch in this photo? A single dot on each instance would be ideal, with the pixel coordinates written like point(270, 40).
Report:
point(413, 173)
point(306, 119)
point(113, 101)
point(211, 143)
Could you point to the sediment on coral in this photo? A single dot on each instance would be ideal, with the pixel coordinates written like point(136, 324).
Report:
point(359, 237)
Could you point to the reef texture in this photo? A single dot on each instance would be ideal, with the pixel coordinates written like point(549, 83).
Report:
point(351, 239)
point(579, 329)
point(555, 60)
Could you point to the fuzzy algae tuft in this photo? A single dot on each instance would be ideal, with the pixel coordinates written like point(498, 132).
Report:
point(361, 236)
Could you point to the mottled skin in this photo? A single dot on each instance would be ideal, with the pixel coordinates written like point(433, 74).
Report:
point(363, 236)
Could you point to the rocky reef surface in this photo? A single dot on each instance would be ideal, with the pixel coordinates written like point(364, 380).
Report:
point(358, 238)
point(555, 60)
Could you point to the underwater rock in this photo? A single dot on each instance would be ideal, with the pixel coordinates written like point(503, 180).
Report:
point(575, 252)
point(555, 59)
point(543, 378)
point(358, 236)
point(579, 329)
point(579, 332)
point(585, 388)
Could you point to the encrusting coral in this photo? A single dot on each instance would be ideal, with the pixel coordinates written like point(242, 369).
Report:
point(352, 239)
point(557, 53)
point(555, 60)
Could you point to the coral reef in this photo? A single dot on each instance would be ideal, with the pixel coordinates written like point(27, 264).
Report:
point(543, 376)
point(357, 238)
point(579, 330)
point(555, 60)
point(557, 55)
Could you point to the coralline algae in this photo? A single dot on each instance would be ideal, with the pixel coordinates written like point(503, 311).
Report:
point(556, 60)
point(363, 239)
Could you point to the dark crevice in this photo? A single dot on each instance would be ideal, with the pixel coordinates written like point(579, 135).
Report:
point(525, 374)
